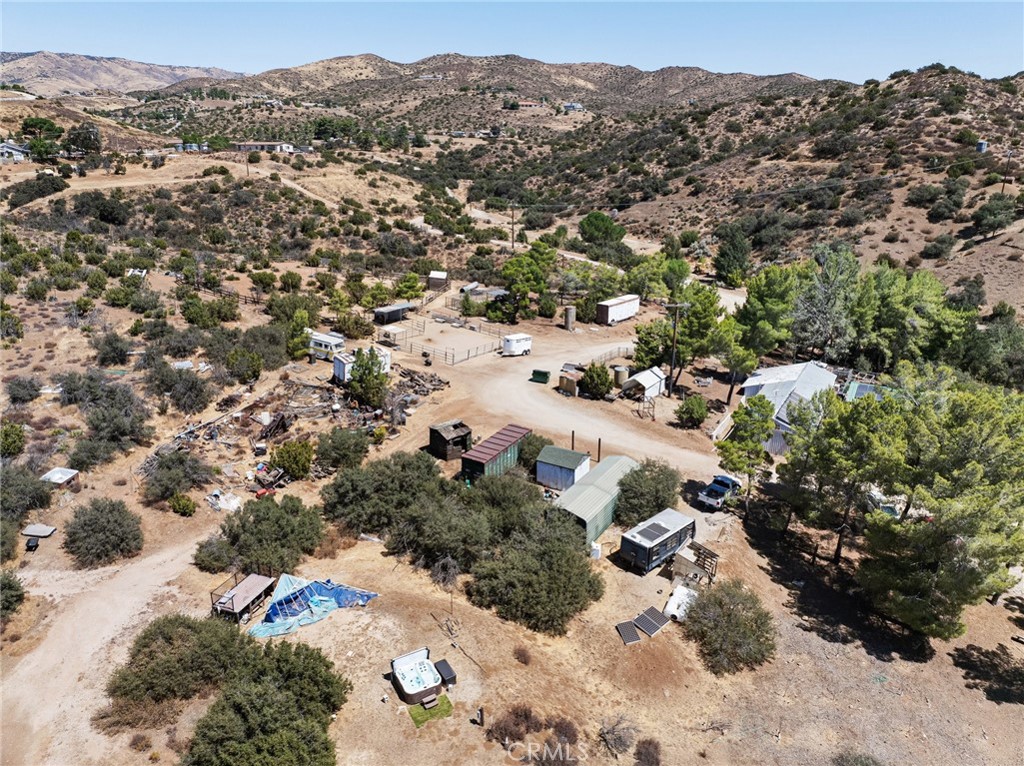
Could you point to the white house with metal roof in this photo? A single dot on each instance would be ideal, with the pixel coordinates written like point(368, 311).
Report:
point(783, 386)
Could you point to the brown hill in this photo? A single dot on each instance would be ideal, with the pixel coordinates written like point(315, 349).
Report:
point(115, 136)
point(376, 83)
point(51, 74)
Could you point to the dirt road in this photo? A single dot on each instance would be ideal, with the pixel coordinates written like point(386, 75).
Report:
point(50, 694)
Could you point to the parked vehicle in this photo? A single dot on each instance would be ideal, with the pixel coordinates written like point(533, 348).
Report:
point(721, 488)
point(516, 344)
point(32, 544)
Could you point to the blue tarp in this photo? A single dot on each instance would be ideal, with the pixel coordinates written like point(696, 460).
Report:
point(297, 602)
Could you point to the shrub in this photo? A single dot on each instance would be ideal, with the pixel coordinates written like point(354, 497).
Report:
point(12, 439)
point(175, 473)
point(245, 366)
point(342, 448)
point(541, 579)
point(564, 730)
point(617, 735)
point(515, 725)
point(12, 594)
point(102, 532)
point(940, 248)
point(111, 349)
point(522, 655)
point(295, 457)
point(183, 505)
point(22, 390)
point(650, 487)
point(647, 753)
point(21, 492)
point(25, 191)
point(596, 381)
point(353, 326)
point(177, 658)
point(268, 535)
point(214, 554)
point(692, 412)
point(731, 627)
point(9, 539)
point(140, 743)
point(850, 758)
point(529, 450)
point(253, 158)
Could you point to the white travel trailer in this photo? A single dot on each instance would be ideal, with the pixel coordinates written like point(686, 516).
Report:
point(516, 344)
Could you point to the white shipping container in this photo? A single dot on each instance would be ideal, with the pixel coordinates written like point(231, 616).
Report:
point(618, 309)
point(517, 344)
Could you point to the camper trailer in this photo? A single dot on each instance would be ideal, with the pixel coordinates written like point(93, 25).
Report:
point(650, 543)
point(517, 344)
point(325, 345)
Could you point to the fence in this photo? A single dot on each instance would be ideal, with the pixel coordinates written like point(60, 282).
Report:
point(224, 292)
point(615, 353)
point(498, 331)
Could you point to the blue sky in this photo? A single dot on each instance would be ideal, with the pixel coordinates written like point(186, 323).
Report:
point(850, 41)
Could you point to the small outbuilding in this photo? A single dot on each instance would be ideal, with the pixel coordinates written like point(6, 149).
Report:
point(437, 280)
point(592, 499)
point(65, 478)
point(394, 313)
point(450, 439)
point(560, 468)
point(649, 383)
point(496, 454)
point(652, 542)
point(343, 363)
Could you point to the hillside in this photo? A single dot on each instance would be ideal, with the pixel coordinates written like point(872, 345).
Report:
point(116, 137)
point(51, 74)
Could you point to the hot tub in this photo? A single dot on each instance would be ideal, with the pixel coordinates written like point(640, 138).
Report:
point(414, 676)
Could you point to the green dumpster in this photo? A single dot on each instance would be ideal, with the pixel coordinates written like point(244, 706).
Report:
point(541, 376)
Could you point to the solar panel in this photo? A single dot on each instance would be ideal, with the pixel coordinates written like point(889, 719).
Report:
point(627, 632)
point(653, 531)
point(650, 621)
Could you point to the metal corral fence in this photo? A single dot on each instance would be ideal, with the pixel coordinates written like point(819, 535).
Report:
point(449, 356)
point(498, 331)
point(622, 351)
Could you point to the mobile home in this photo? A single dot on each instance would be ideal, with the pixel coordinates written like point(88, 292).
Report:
point(652, 542)
point(325, 345)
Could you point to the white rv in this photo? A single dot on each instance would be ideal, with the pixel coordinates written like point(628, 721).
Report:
point(325, 345)
point(516, 344)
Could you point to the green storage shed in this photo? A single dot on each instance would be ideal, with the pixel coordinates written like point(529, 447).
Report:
point(494, 455)
point(593, 498)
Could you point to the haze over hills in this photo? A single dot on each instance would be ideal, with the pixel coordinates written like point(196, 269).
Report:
point(51, 74)
point(370, 78)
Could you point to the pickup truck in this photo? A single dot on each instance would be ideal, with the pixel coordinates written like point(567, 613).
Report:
point(718, 491)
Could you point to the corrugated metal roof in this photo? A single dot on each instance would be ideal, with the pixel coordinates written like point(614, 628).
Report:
point(778, 384)
point(493, 446)
point(450, 429)
point(561, 457)
point(587, 497)
point(646, 379)
point(394, 307)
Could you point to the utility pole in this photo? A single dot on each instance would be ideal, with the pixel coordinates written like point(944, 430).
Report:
point(513, 208)
point(1006, 169)
point(675, 330)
